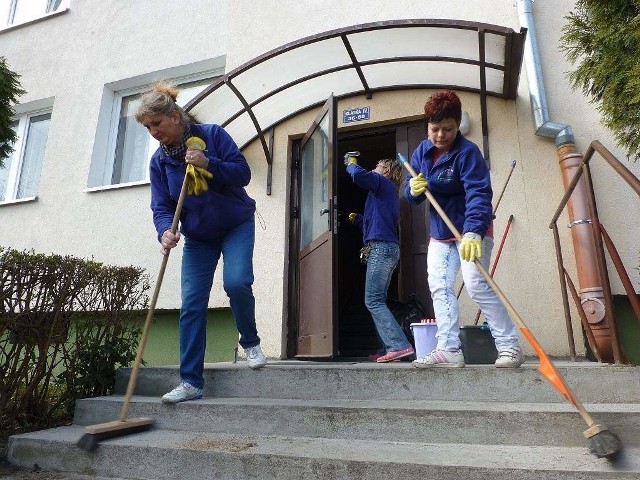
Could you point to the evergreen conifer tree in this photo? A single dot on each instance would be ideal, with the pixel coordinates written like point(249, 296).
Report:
point(602, 39)
point(10, 90)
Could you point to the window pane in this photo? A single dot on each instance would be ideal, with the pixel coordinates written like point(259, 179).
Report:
point(53, 5)
point(314, 187)
point(33, 156)
point(29, 9)
point(134, 145)
point(190, 90)
point(5, 7)
point(4, 172)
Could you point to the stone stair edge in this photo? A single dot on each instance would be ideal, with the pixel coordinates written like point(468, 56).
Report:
point(561, 406)
point(491, 457)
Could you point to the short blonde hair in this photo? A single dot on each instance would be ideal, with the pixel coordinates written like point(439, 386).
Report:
point(394, 169)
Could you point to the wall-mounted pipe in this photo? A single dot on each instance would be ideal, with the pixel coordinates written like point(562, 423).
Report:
point(589, 281)
point(537, 94)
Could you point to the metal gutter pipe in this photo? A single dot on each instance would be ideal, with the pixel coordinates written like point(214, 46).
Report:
point(537, 94)
point(591, 291)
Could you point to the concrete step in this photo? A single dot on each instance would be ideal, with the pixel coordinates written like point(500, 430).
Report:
point(591, 382)
point(496, 423)
point(294, 420)
point(161, 454)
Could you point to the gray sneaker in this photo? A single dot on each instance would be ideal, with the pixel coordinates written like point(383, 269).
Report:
point(255, 357)
point(510, 358)
point(183, 392)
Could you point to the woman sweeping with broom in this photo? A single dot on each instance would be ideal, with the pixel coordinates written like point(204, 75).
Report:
point(602, 442)
point(457, 176)
point(217, 220)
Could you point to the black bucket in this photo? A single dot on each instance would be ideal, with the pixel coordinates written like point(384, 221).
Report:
point(478, 346)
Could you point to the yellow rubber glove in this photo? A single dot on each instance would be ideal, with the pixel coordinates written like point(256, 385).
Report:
point(418, 185)
point(351, 157)
point(196, 143)
point(197, 176)
point(352, 217)
point(471, 247)
point(197, 179)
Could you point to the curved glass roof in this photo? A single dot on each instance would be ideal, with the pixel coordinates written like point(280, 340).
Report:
point(361, 59)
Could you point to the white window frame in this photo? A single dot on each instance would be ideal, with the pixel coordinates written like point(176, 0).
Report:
point(9, 21)
point(103, 158)
point(153, 143)
point(17, 156)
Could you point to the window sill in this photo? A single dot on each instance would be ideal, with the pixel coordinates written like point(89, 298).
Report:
point(118, 186)
point(17, 201)
point(46, 16)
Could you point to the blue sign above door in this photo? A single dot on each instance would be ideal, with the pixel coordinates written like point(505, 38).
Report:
point(356, 114)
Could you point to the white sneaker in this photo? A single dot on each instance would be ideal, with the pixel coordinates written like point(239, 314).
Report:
point(510, 358)
point(440, 358)
point(255, 357)
point(182, 393)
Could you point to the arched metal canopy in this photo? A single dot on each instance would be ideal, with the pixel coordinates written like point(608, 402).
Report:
point(362, 59)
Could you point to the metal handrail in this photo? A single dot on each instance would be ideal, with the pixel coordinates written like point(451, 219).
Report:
point(598, 233)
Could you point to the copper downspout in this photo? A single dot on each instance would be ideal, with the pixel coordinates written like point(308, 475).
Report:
point(589, 280)
point(591, 293)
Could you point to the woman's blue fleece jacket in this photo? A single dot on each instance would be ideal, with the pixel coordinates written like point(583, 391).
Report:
point(213, 213)
point(460, 183)
point(382, 207)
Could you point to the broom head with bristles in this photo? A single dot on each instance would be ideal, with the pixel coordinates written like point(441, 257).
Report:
point(602, 442)
point(103, 431)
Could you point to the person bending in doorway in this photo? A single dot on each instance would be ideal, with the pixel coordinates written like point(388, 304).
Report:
point(379, 226)
point(217, 220)
point(456, 174)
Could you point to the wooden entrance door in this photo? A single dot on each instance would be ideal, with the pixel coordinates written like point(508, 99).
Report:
point(317, 228)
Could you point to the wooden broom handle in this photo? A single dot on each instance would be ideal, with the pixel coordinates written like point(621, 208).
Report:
point(133, 377)
point(561, 384)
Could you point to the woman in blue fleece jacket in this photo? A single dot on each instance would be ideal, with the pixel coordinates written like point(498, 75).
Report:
point(379, 226)
point(454, 171)
point(219, 220)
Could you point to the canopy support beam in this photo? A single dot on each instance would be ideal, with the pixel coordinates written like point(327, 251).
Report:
point(249, 111)
point(357, 67)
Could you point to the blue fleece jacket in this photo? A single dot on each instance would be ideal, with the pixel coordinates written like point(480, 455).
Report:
point(382, 207)
point(213, 213)
point(459, 181)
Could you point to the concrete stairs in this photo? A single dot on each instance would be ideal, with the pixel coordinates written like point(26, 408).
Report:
point(355, 420)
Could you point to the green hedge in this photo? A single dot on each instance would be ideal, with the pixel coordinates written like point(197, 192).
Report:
point(66, 325)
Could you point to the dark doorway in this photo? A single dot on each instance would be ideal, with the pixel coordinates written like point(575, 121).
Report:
point(356, 335)
point(356, 332)
point(353, 330)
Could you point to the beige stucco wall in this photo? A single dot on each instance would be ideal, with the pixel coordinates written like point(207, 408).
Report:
point(527, 272)
point(71, 58)
point(120, 40)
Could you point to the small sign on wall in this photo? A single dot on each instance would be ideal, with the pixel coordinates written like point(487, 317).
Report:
point(356, 114)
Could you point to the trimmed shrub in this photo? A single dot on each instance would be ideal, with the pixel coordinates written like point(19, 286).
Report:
point(66, 325)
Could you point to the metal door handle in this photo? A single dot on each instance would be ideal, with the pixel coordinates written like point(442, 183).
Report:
point(324, 210)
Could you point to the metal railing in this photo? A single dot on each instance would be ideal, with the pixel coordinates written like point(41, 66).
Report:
point(601, 240)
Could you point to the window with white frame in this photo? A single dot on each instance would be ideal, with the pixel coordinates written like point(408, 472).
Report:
point(20, 177)
point(14, 12)
point(130, 146)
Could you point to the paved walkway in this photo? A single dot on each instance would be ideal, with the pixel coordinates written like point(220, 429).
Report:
point(10, 472)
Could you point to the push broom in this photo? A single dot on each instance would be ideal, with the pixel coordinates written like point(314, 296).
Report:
point(602, 442)
point(123, 425)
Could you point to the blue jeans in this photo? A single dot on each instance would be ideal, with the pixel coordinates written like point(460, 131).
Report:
point(199, 261)
point(443, 262)
point(382, 261)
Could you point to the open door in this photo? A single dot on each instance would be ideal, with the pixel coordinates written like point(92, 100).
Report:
point(317, 228)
